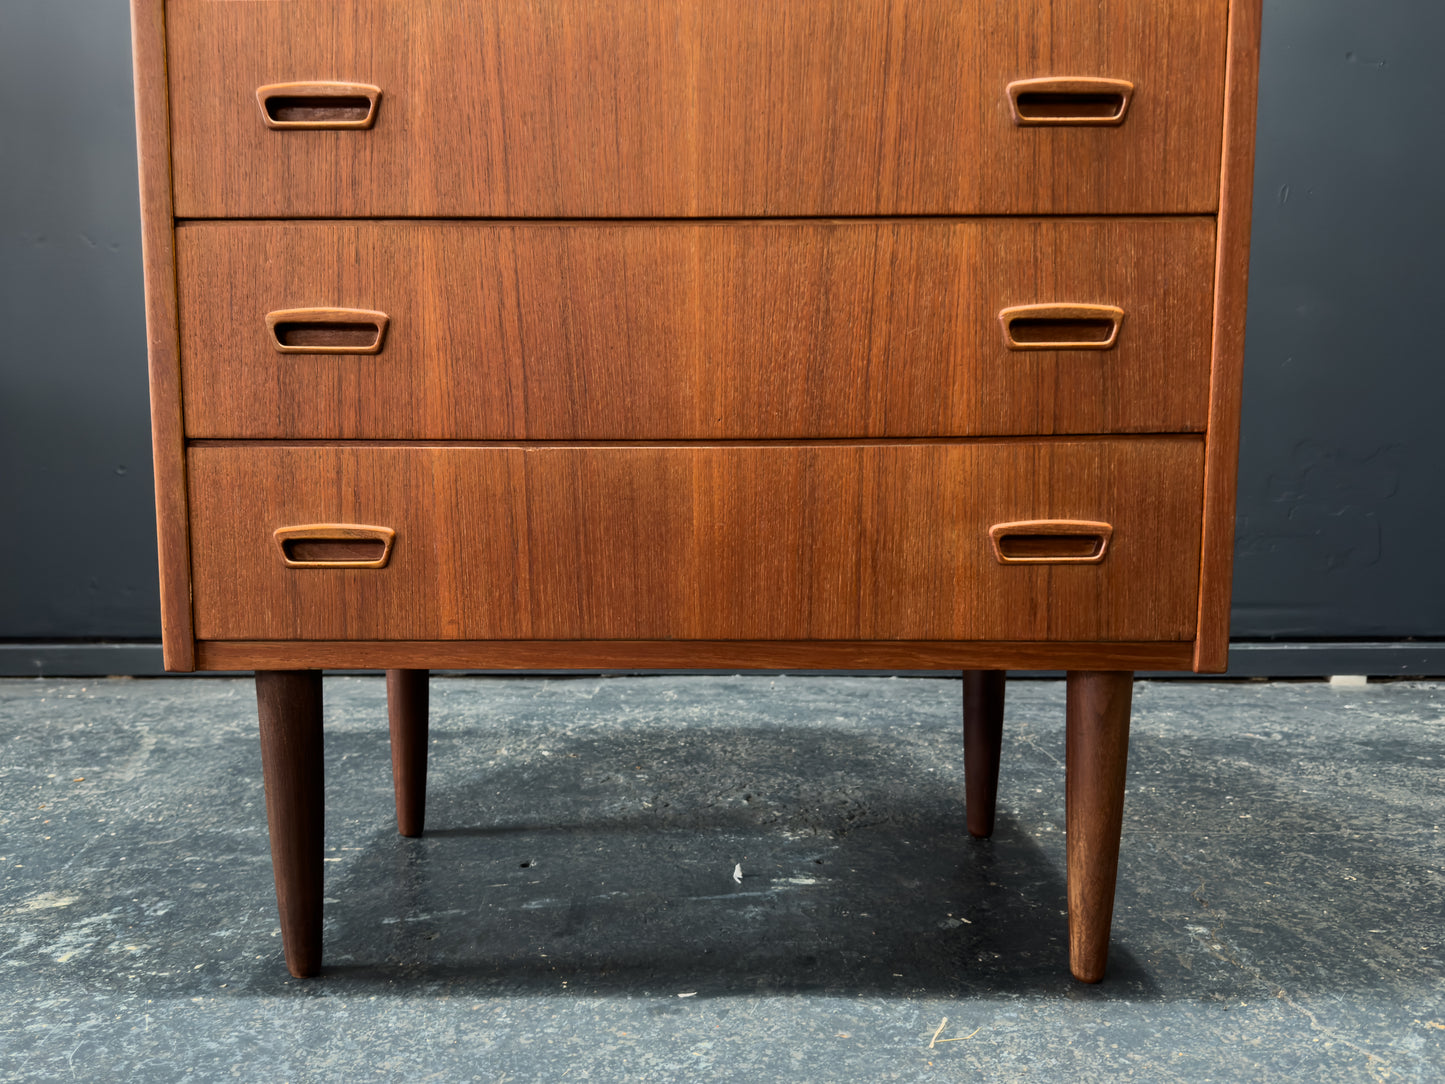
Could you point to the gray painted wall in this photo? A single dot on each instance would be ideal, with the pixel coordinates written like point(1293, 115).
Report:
point(1340, 509)
point(77, 547)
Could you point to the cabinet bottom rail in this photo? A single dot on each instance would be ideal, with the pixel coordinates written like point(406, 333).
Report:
point(585, 655)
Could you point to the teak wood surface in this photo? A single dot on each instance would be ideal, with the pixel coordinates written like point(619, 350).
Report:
point(407, 701)
point(1226, 385)
point(796, 431)
point(230, 655)
point(148, 46)
point(745, 541)
point(676, 330)
point(674, 108)
point(289, 707)
point(1096, 751)
point(983, 702)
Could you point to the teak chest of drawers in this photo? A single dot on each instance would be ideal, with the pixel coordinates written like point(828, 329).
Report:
point(687, 333)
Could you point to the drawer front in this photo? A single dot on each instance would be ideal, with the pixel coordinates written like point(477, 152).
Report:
point(675, 330)
point(747, 542)
point(679, 108)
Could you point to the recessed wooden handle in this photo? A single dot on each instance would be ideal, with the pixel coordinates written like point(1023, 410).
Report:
point(1061, 327)
point(1050, 542)
point(1069, 100)
point(318, 105)
point(335, 545)
point(327, 331)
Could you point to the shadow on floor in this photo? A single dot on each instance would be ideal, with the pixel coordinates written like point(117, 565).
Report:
point(608, 867)
point(585, 842)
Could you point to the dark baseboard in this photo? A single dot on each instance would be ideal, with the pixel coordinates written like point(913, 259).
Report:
point(1247, 659)
point(1383, 658)
point(81, 660)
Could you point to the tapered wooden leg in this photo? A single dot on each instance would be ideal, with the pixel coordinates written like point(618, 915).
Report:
point(1096, 753)
point(289, 704)
point(983, 693)
point(406, 702)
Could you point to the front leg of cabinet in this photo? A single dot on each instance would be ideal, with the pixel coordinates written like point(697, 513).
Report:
point(1096, 753)
point(406, 704)
point(983, 695)
point(289, 705)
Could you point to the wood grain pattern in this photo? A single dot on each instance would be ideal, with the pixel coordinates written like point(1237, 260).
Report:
point(745, 541)
point(595, 655)
point(812, 366)
point(1226, 384)
point(695, 331)
point(1096, 754)
point(148, 44)
point(675, 108)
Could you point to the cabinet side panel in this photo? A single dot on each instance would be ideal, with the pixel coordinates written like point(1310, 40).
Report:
point(148, 38)
point(1231, 277)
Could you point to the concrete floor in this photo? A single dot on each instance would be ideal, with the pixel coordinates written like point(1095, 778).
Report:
point(572, 912)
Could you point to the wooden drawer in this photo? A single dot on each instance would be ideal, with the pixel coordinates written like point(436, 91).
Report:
point(674, 330)
point(682, 108)
point(744, 541)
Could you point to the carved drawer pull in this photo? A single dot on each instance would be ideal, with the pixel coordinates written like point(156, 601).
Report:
point(327, 331)
point(318, 105)
point(1050, 541)
point(1061, 327)
point(1069, 101)
point(335, 545)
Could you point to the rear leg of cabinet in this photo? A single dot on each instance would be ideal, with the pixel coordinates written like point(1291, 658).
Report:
point(983, 697)
point(407, 703)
